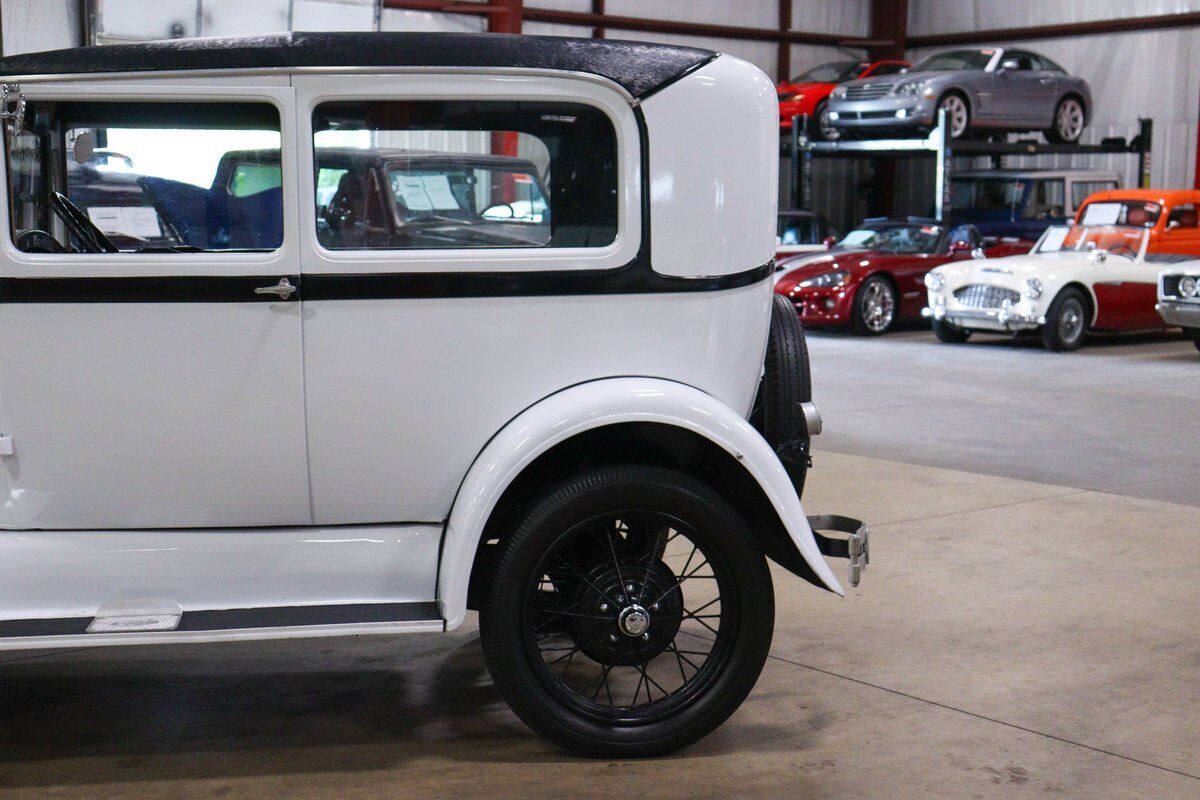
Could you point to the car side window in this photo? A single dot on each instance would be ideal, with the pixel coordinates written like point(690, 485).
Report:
point(1081, 190)
point(146, 177)
point(1025, 60)
point(464, 174)
point(1047, 199)
point(1182, 216)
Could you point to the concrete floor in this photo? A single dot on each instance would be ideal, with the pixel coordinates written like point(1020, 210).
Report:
point(1014, 638)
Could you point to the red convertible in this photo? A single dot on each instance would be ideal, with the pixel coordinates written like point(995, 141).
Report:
point(874, 277)
point(806, 93)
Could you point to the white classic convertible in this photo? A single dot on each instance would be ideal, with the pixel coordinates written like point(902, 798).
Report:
point(376, 328)
point(1077, 278)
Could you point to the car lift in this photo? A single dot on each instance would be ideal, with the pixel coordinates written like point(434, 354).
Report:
point(938, 144)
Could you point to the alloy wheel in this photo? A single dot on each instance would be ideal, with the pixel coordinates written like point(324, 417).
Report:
point(878, 306)
point(1069, 120)
point(957, 115)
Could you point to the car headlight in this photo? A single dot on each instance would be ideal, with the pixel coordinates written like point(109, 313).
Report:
point(913, 88)
point(838, 93)
point(832, 278)
point(1033, 288)
point(1188, 287)
point(934, 281)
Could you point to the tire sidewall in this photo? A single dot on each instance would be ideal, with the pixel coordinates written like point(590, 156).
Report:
point(715, 523)
point(1050, 331)
point(966, 106)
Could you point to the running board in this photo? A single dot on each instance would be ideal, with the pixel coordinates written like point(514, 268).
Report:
point(238, 622)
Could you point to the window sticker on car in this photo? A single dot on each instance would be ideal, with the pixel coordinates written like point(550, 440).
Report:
point(1102, 214)
point(1054, 238)
point(412, 191)
point(137, 221)
point(437, 189)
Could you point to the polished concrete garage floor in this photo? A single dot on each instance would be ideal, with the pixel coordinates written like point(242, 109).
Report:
point(1028, 629)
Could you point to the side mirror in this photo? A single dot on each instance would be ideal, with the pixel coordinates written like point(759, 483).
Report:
point(1173, 224)
point(829, 242)
point(1009, 65)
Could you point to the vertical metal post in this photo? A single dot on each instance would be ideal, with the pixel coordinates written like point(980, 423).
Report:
point(1145, 132)
point(199, 18)
point(797, 194)
point(941, 180)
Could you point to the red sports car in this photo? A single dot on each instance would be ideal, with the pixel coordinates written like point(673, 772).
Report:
point(806, 93)
point(875, 276)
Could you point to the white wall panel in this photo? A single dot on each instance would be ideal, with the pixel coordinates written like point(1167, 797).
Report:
point(945, 16)
point(397, 20)
point(851, 17)
point(31, 26)
point(1153, 74)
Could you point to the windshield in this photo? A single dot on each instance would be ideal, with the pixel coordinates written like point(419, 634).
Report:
point(954, 60)
point(1138, 213)
point(894, 238)
point(1121, 240)
point(833, 72)
point(499, 204)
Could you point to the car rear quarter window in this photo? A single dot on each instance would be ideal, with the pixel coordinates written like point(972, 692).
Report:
point(419, 174)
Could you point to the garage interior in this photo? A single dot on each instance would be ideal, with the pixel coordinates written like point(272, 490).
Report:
point(1028, 626)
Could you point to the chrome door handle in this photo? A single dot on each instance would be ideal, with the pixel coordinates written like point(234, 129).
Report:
point(283, 290)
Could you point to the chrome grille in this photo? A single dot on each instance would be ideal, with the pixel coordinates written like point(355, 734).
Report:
point(982, 295)
point(869, 91)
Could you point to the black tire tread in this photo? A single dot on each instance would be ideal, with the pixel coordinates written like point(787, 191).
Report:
point(588, 738)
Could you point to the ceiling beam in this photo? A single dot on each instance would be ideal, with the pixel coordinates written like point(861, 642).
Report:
point(1093, 28)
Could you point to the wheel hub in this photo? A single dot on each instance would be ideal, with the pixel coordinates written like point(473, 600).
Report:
point(634, 620)
point(628, 618)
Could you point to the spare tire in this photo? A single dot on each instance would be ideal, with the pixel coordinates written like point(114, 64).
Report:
point(785, 389)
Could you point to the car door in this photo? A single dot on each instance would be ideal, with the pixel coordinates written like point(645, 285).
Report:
point(1024, 95)
point(160, 386)
point(1180, 234)
point(421, 346)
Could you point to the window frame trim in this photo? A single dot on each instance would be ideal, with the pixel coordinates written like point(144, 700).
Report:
point(276, 93)
point(438, 85)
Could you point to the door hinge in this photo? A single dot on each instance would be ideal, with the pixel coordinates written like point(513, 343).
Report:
point(6, 445)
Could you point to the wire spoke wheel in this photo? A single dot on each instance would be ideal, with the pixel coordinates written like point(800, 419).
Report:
point(628, 616)
point(629, 612)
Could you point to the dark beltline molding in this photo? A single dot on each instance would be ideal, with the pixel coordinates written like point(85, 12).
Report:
point(367, 286)
point(143, 289)
point(243, 619)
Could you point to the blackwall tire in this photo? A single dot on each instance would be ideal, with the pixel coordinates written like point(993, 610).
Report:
point(786, 385)
point(1194, 333)
point(1066, 321)
point(949, 333)
point(568, 720)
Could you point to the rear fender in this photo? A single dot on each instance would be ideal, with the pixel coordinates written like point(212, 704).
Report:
point(592, 405)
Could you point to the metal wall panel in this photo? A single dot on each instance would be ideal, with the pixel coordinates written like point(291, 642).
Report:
point(947, 16)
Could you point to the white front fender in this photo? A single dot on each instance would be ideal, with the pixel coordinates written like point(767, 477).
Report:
point(592, 405)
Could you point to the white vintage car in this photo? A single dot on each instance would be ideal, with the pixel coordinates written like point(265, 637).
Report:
point(1091, 276)
point(1179, 299)
point(319, 369)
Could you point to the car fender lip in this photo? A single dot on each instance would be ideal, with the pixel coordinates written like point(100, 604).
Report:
point(595, 404)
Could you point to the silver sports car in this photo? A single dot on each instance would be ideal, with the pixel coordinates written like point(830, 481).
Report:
point(991, 89)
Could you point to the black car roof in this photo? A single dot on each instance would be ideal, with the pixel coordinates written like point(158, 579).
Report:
point(638, 67)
